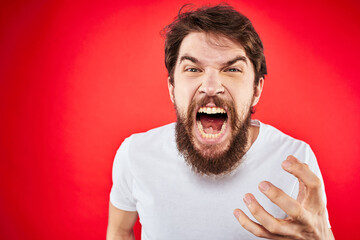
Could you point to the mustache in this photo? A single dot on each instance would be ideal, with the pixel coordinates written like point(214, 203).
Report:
point(214, 99)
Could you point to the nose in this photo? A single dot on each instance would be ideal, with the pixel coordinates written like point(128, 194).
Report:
point(211, 84)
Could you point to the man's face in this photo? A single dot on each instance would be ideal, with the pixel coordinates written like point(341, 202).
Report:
point(213, 93)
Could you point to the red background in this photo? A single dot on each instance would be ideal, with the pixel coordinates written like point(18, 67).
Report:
point(77, 77)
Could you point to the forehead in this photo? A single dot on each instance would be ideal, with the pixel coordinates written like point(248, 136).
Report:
point(210, 48)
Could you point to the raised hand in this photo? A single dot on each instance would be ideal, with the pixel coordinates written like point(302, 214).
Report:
point(306, 215)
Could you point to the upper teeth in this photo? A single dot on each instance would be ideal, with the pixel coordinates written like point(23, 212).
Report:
point(211, 110)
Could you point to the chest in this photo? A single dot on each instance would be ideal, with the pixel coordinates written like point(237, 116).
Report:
point(175, 203)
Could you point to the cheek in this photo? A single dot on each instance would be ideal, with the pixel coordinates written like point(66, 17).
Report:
point(184, 94)
point(242, 101)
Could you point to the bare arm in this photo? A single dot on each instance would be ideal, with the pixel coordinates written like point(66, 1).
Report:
point(121, 223)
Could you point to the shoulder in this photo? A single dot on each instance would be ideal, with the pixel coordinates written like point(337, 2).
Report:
point(274, 140)
point(157, 135)
point(150, 142)
point(145, 153)
point(272, 135)
point(147, 143)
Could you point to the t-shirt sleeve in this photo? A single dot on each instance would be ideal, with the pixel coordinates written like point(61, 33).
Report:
point(121, 195)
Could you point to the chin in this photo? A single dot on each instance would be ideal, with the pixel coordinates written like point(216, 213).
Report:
point(210, 149)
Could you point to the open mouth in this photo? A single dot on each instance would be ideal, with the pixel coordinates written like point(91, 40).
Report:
point(211, 122)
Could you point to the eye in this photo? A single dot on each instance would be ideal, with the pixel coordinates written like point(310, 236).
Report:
point(192, 70)
point(232, 70)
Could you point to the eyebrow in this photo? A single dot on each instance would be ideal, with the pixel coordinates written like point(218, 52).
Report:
point(236, 59)
point(187, 57)
point(228, 63)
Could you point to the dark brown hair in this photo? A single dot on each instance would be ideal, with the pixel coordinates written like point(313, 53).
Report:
point(222, 20)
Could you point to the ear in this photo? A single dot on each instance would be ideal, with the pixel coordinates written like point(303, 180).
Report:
point(258, 91)
point(171, 90)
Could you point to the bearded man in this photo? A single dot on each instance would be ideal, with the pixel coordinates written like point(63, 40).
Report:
point(184, 180)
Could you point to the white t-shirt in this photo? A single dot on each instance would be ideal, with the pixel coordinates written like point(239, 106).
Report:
point(173, 202)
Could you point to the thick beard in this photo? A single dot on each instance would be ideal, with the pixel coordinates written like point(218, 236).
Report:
point(203, 161)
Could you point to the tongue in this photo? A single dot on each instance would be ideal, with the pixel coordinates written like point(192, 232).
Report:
point(212, 121)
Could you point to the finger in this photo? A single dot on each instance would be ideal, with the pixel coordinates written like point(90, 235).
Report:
point(302, 192)
point(311, 181)
point(270, 223)
point(289, 205)
point(253, 227)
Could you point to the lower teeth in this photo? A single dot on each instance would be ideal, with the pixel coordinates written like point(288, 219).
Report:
point(210, 135)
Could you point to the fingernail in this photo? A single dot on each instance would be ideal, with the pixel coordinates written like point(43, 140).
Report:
point(247, 199)
point(236, 213)
point(287, 163)
point(264, 186)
